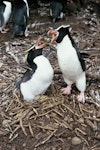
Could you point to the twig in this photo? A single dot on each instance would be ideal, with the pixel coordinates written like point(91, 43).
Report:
point(48, 138)
point(94, 119)
point(39, 24)
point(23, 129)
point(94, 127)
point(71, 110)
point(94, 76)
point(14, 137)
point(88, 49)
point(63, 123)
point(52, 105)
point(57, 112)
point(78, 129)
point(45, 127)
point(87, 111)
point(82, 138)
point(8, 50)
point(45, 113)
point(31, 131)
point(18, 127)
point(93, 147)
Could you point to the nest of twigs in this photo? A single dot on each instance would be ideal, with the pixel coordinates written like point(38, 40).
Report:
point(53, 117)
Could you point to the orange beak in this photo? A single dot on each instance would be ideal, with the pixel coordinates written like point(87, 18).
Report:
point(37, 46)
point(54, 35)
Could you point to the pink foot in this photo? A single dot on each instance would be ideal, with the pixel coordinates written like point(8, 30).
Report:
point(66, 90)
point(81, 97)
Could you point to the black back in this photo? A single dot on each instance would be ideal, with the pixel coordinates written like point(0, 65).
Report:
point(18, 3)
point(56, 8)
point(32, 54)
point(19, 18)
point(2, 8)
point(26, 76)
point(63, 2)
point(63, 31)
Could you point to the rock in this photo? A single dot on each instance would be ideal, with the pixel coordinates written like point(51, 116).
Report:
point(97, 136)
point(81, 120)
point(76, 141)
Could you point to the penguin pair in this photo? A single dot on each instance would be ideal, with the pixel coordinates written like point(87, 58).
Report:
point(38, 78)
point(70, 61)
point(5, 12)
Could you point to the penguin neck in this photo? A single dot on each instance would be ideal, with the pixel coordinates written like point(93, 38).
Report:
point(32, 55)
point(19, 3)
point(67, 40)
point(37, 52)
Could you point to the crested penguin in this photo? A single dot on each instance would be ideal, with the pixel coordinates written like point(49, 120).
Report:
point(57, 9)
point(38, 78)
point(5, 12)
point(20, 18)
point(70, 61)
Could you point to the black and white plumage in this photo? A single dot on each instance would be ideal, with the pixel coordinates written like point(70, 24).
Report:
point(5, 12)
point(70, 61)
point(20, 18)
point(56, 10)
point(38, 78)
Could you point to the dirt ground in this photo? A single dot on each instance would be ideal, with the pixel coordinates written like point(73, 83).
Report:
point(52, 121)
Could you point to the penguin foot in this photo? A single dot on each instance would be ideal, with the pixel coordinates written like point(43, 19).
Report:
point(4, 30)
point(81, 97)
point(66, 90)
point(26, 34)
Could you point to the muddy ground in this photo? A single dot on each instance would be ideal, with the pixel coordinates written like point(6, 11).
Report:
point(52, 121)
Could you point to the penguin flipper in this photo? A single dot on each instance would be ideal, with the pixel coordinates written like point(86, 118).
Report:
point(1, 20)
point(82, 61)
point(26, 76)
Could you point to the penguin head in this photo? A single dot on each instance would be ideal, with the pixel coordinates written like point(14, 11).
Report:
point(19, 3)
point(35, 50)
point(59, 33)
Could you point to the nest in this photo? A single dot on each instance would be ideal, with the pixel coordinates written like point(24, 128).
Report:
point(52, 117)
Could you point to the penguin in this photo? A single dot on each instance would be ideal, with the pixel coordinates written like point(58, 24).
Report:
point(20, 18)
point(71, 63)
point(56, 10)
point(5, 12)
point(38, 78)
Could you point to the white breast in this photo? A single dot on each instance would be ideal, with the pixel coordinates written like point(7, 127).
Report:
point(40, 80)
point(27, 7)
point(68, 59)
point(7, 11)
